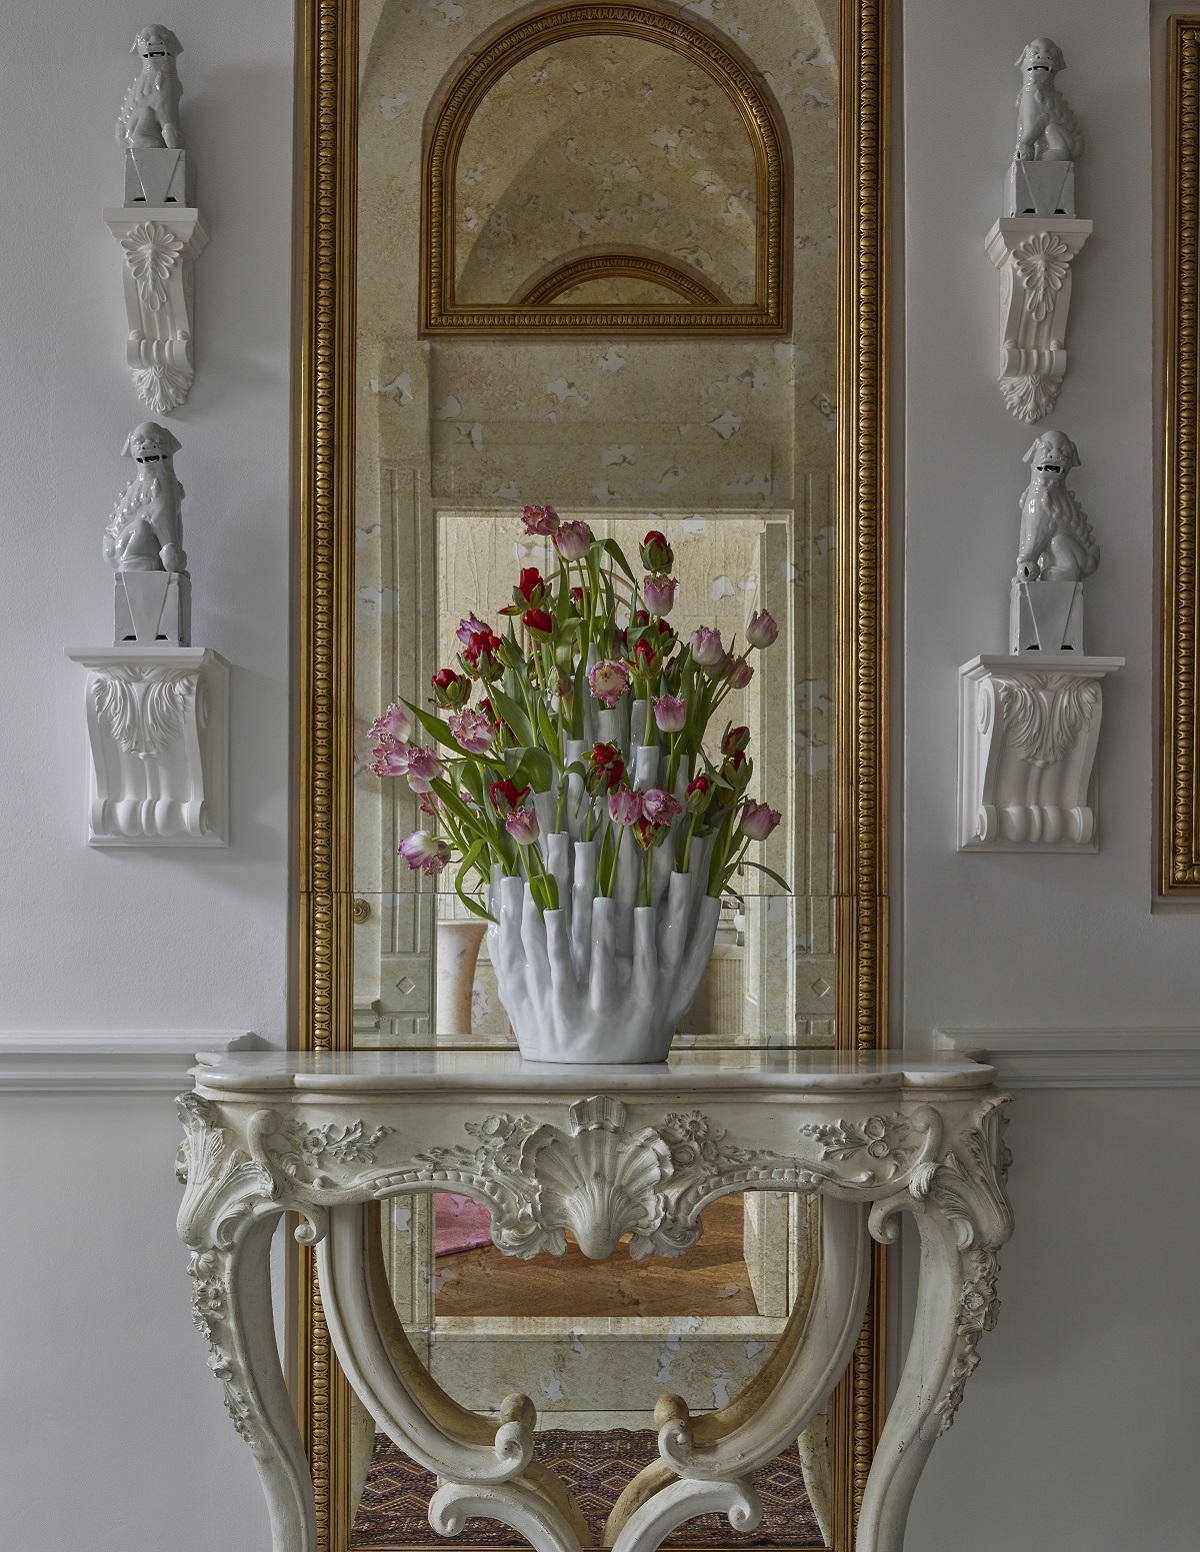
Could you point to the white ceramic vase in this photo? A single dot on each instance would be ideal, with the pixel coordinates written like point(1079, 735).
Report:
point(601, 979)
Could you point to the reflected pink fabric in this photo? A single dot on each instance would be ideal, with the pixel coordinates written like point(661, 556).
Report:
point(459, 1224)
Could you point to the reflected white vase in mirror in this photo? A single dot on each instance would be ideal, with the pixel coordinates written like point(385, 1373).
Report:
point(604, 978)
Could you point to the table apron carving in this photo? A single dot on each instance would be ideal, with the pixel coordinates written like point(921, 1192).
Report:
point(258, 1144)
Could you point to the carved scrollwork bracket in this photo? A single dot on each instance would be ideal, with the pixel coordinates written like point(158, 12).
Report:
point(158, 732)
point(1028, 727)
point(158, 248)
point(1034, 255)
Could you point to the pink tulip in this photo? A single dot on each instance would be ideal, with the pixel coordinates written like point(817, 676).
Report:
point(424, 768)
point(758, 820)
point(424, 853)
point(473, 731)
point(762, 630)
point(391, 757)
point(395, 723)
point(541, 520)
point(706, 647)
point(738, 673)
point(573, 540)
point(659, 807)
point(658, 594)
point(670, 712)
point(522, 825)
point(624, 806)
point(608, 681)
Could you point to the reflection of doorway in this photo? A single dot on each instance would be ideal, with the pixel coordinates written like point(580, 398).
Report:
point(698, 1325)
point(595, 1345)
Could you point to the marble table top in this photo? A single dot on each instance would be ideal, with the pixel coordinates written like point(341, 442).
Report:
point(497, 1072)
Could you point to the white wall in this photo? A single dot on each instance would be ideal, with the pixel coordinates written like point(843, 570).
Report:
point(112, 1428)
point(1071, 1435)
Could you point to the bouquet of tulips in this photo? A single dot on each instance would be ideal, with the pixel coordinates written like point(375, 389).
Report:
point(583, 716)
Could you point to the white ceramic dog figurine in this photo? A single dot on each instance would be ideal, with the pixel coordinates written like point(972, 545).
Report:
point(145, 532)
point(1057, 542)
point(1047, 130)
point(150, 113)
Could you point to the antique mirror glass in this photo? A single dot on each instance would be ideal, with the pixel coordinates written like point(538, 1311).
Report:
point(592, 256)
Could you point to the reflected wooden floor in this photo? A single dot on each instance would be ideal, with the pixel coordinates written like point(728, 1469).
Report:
point(709, 1279)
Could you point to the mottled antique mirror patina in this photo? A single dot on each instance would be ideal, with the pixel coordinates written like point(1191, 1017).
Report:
point(629, 260)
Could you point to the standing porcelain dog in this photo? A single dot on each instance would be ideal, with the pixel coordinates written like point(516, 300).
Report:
point(150, 113)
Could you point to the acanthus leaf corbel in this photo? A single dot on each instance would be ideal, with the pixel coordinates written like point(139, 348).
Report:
point(1034, 255)
point(159, 245)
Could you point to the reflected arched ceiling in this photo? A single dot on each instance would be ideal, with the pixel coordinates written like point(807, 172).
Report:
point(605, 167)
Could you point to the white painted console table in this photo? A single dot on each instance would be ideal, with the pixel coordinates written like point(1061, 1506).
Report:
point(603, 1152)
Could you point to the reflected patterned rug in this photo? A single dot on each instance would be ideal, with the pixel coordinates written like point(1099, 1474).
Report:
point(596, 1467)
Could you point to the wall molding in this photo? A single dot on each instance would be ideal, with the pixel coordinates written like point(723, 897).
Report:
point(110, 1061)
point(1081, 1058)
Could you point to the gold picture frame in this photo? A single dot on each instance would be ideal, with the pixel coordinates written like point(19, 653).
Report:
point(1179, 876)
point(324, 900)
point(536, 312)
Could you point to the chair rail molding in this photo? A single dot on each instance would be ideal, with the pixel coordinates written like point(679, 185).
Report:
point(1034, 255)
point(159, 245)
point(158, 730)
point(111, 1061)
point(1028, 726)
point(1081, 1058)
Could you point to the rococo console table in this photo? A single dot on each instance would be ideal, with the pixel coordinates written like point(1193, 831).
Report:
point(603, 1152)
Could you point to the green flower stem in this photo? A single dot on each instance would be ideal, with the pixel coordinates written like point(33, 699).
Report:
point(686, 858)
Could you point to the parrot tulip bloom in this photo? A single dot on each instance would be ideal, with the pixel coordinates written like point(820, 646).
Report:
point(391, 757)
point(473, 731)
point(670, 712)
point(658, 594)
point(522, 825)
point(624, 806)
point(762, 630)
point(758, 820)
point(738, 673)
point(395, 724)
point(706, 647)
point(660, 808)
point(573, 540)
point(608, 680)
point(541, 520)
point(423, 769)
point(424, 853)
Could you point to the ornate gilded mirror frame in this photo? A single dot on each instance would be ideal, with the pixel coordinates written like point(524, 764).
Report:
point(324, 899)
point(535, 312)
point(1180, 779)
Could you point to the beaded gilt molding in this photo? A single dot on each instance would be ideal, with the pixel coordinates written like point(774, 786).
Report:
point(324, 899)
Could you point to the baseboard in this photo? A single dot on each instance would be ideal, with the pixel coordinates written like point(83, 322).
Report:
point(1081, 1058)
point(110, 1061)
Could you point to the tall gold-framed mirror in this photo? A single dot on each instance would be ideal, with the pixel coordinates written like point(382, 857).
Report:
point(1179, 809)
point(665, 298)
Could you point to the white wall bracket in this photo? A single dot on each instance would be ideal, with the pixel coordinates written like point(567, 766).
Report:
point(159, 244)
point(1028, 726)
point(158, 727)
point(1034, 256)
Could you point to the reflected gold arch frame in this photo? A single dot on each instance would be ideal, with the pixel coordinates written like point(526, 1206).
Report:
point(1179, 856)
point(323, 899)
point(450, 117)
